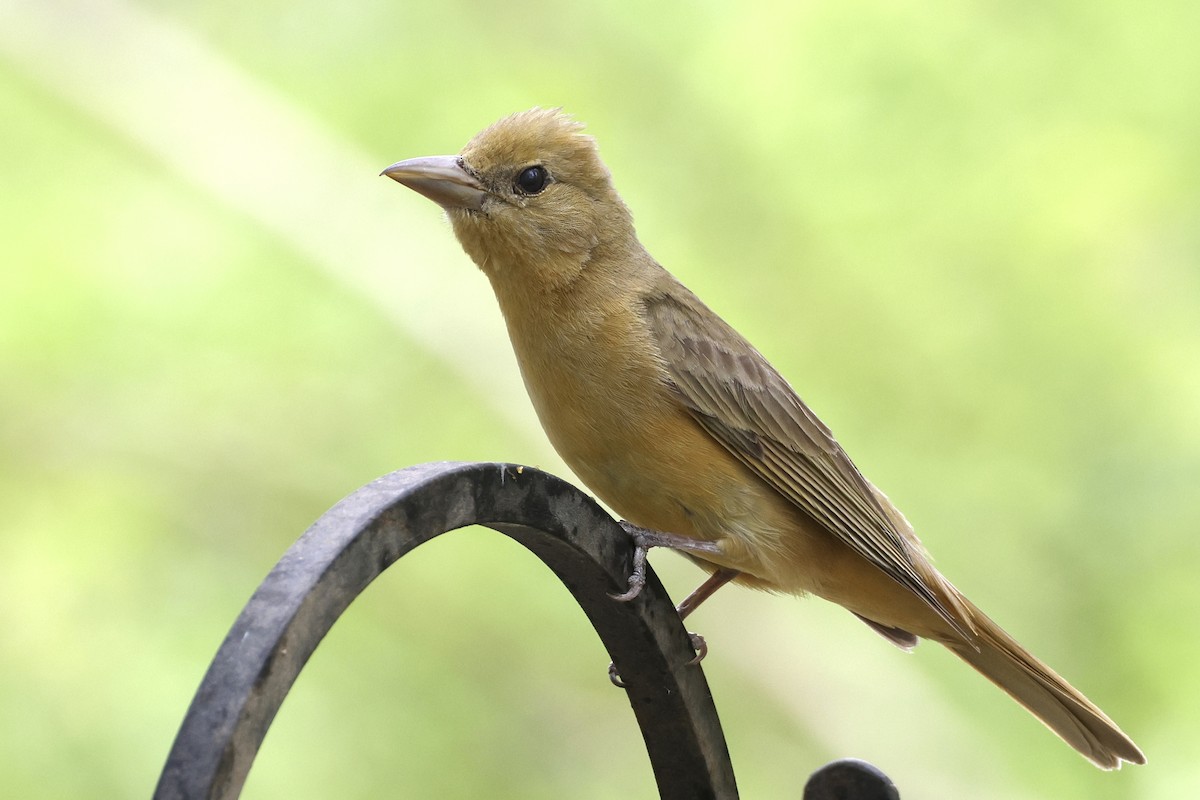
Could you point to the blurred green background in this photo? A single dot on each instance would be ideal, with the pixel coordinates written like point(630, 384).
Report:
point(969, 234)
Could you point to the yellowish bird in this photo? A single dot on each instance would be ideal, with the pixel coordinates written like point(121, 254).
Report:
point(676, 422)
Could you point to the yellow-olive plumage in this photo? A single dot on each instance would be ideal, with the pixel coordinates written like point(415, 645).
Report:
point(681, 426)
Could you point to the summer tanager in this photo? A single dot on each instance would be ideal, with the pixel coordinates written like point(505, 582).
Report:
point(673, 419)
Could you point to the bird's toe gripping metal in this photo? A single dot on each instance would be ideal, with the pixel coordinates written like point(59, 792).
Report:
point(698, 644)
point(643, 540)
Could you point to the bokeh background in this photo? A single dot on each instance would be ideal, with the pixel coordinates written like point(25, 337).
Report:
point(970, 235)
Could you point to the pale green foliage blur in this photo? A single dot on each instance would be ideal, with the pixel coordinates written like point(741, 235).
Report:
point(969, 234)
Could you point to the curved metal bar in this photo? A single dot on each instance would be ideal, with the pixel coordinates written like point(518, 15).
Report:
point(352, 543)
point(850, 779)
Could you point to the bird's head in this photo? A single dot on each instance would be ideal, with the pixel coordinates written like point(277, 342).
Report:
point(528, 193)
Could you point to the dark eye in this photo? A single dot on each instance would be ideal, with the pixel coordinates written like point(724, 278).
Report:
point(532, 180)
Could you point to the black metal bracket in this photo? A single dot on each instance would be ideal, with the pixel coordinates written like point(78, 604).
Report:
point(356, 540)
point(348, 547)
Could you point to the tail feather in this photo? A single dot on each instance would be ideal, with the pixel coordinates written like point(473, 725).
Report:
point(1063, 709)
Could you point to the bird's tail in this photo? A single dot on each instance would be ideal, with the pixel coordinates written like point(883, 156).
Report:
point(1062, 708)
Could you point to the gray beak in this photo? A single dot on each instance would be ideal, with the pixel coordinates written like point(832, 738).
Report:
point(441, 179)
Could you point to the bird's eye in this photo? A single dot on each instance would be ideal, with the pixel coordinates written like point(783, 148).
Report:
point(532, 180)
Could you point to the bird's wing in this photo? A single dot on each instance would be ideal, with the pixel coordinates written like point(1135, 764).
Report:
point(746, 405)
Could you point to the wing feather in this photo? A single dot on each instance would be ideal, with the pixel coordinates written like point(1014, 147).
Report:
point(747, 406)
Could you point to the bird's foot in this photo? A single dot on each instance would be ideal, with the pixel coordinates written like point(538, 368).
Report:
point(615, 677)
point(698, 644)
point(643, 540)
point(637, 578)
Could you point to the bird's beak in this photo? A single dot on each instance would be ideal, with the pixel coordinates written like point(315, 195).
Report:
point(440, 178)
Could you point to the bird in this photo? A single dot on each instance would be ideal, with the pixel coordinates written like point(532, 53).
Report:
point(675, 421)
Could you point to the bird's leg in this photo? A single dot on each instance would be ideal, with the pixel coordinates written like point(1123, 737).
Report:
point(643, 540)
point(690, 603)
point(705, 590)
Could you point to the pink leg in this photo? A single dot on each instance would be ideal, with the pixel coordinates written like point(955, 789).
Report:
point(705, 590)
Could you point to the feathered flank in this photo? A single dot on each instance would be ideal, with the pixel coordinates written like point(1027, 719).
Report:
point(680, 425)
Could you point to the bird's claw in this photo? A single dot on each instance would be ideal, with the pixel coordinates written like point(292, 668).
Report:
point(636, 582)
point(698, 644)
point(615, 677)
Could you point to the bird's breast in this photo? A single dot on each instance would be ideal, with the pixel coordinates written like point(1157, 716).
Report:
point(600, 391)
